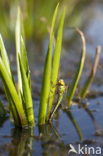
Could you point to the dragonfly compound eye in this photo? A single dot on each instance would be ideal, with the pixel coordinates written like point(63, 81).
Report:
point(61, 82)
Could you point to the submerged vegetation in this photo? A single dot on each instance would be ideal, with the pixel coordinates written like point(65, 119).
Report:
point(20, 99)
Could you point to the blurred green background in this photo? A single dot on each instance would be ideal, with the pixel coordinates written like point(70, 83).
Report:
point(37, 16)
point(35, 12)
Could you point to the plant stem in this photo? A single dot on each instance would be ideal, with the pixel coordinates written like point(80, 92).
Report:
point(72, 88)
point(89, 81)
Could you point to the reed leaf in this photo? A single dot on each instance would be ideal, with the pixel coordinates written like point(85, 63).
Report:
point(24, 58)
point(56, 60)
point(24, 82)
point(72, 88)
point(46, 77)
point(13, 111)
point(89, 80)
point(27, 95)
point(12, 91)
point(18, 32)
point(5, 60)
point(5, 57)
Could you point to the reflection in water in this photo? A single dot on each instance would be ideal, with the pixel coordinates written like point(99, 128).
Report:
point(83, 105)
point(23, 140)
point(91, 116)
point(49, 130)
point(2, 120)
point(21, 143)
point(55, 131)
point(50, 141)
point(69, 114)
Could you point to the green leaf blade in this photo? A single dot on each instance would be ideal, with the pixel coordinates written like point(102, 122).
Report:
point(56, 60)
point(89, 80)
point(4, 74)
point(5, 57)
point(12, 107)
point(74, 83)
point(46, 76)
point(24, 58)
point(27, 95)
point(18, 33)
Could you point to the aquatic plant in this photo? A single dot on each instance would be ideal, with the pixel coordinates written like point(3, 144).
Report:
point(55, 65)
point(50, 79)
point(20, 103)
point(71, 90)
point(46, 76)
point(20, 100)
point(24, 84)
point(32, 13)
point(89, 80)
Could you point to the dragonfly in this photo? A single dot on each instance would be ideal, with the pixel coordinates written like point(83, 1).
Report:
point(61, 88)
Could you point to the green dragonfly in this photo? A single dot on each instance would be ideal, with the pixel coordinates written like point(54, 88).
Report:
point(61, 88)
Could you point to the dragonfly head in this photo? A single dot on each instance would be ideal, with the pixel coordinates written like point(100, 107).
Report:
point(61, 82)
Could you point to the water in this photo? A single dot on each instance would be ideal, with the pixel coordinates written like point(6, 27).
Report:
point(80, 126)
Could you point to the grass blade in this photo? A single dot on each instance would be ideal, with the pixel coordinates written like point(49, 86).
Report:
point(27, 95)
point(18, 33)
point(56, 60)
point(5, 57)
point(24, 58)
point(74, 83)
point(12, 107)
point(26, 84)
point(46, 77)
point(12, 90)
point(89, 81)
point(5, 60)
